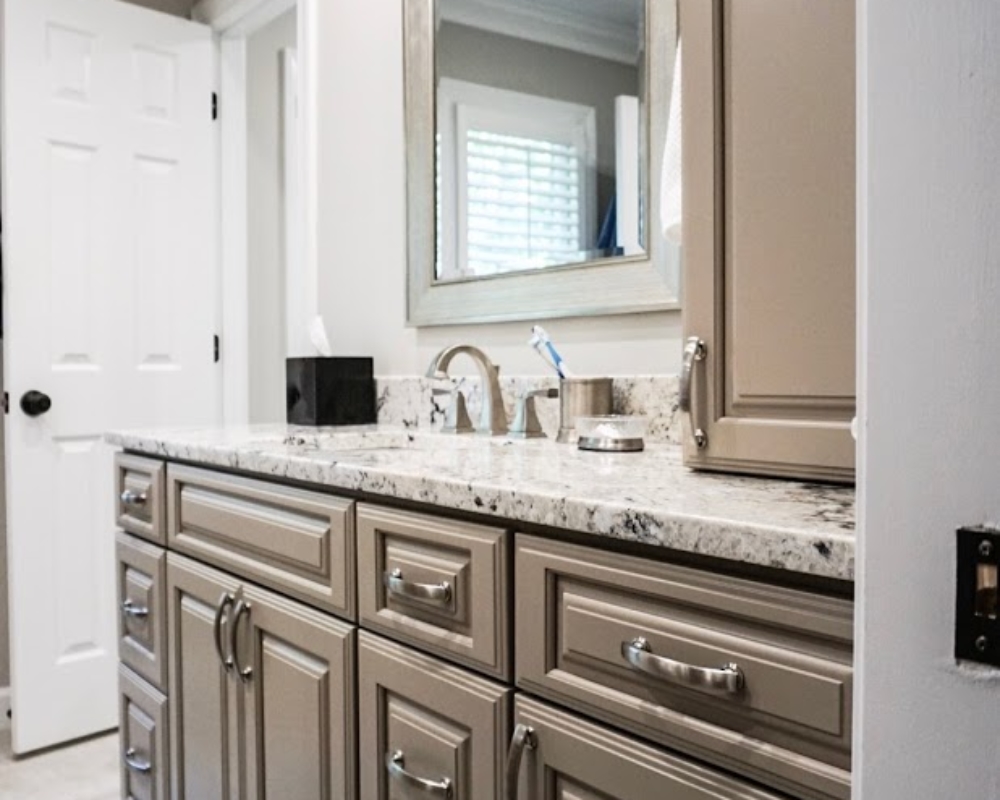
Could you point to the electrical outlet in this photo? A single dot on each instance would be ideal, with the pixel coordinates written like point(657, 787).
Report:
point(4, 709)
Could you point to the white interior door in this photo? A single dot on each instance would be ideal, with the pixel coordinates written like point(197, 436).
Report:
point(111, 303)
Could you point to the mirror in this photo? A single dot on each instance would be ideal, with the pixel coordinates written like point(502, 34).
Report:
point(533, 136)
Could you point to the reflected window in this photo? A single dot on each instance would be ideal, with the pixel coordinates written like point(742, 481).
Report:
point(516, 174)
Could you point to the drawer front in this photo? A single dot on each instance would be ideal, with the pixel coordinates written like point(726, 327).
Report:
point(424, 720)
point(754, 677)
point(145, 769)
point(296, 541)
point(141, 579)
point(139, 487)
point(570, 758)
point(436, 583)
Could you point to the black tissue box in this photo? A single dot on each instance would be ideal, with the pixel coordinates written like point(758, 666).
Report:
point(330, 391)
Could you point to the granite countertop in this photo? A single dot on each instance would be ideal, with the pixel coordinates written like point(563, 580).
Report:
point(647, 497)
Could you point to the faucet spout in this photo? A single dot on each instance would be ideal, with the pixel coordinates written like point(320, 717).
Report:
point(492, 418)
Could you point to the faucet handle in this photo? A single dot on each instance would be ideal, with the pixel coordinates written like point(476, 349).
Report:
point(456, 418)
point(526, 424)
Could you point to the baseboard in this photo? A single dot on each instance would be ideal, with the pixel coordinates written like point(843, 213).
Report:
point(4, 708)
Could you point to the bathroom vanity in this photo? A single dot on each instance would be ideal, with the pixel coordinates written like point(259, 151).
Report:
point(375, 613)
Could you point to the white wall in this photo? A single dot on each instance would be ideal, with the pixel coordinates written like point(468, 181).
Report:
point(266, 218)
point(929, 376)
point(182, 8)
point(362, 237)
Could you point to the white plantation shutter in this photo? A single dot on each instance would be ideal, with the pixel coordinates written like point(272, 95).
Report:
point(517, 174)
point(524, 202)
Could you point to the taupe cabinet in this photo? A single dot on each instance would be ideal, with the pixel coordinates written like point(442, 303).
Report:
point(262, 691)
point(657, 680)
point(769, 236)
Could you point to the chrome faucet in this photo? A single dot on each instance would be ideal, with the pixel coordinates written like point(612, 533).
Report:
point(493, 418)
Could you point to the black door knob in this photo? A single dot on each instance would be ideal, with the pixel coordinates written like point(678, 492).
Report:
point(34, 404)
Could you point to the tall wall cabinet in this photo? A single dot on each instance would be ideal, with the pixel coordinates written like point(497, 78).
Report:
point(769, 236)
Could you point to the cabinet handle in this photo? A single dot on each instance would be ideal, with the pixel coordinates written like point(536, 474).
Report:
point(428, 592)
point(728, 679)
point(394, 764)
point(242, 607)
point(524, 738)
point(695, 351)
point(225, 602)
point(130, 609)
point(130, 498)
point(134, 764)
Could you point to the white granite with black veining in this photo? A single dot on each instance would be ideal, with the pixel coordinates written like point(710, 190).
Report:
point(647, 497)
point(410, 402)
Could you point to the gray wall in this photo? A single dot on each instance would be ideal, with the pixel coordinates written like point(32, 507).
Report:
point(4, 626)
point(504, 62)
point(266, 210)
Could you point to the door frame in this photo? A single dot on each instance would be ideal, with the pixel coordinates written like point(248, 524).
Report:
point(234, 21)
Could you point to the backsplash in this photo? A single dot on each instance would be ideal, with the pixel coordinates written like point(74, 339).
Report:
point(411, 402)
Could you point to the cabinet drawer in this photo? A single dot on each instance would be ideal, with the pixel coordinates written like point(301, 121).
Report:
point(422, 719)
point(142, 624)
point(293, 540)
point(569, 758)
point(139, 485)
point(647, 646)
point(145, 769)
point(440, 584)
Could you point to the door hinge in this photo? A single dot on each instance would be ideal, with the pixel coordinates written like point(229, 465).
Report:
point(6, 402)
point(216, 348)
point(215, 105)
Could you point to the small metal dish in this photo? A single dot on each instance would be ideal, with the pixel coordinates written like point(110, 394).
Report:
point(607, 444)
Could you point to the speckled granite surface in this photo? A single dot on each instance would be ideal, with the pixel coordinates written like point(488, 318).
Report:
point(410, 402)
point(647, 497)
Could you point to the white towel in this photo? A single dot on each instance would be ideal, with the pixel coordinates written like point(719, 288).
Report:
point(671, 183)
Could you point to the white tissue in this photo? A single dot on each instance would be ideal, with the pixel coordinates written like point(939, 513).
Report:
point(318, 337)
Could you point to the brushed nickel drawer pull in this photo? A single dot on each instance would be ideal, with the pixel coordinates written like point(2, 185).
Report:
point(130, 609)
point(395, 763)
point(524, 738)
point(242, 607)
point(725, 680)
point(695, 350)
point(225, 602)
point(428, 592)
point(134, 764)
point(130, 498)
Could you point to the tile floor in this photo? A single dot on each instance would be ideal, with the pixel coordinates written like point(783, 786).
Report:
point(84, 771)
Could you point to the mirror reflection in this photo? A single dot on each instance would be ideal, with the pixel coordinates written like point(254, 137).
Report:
point(540, 139)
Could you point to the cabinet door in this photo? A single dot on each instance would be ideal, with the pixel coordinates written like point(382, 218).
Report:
point(769, 234)
point(204, 698)
point(296, 668)
point(428, 729)
point(570, 758)
point(143, 732)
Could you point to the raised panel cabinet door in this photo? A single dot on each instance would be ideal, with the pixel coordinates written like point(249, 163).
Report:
point(296, 541)
point(769, 236)
point(145, 766)
point(296, 669)
point(437, 583)
point(139, 488)
point(205, 701)
point(565, 757)
point(141, 579)
point(427, 728)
